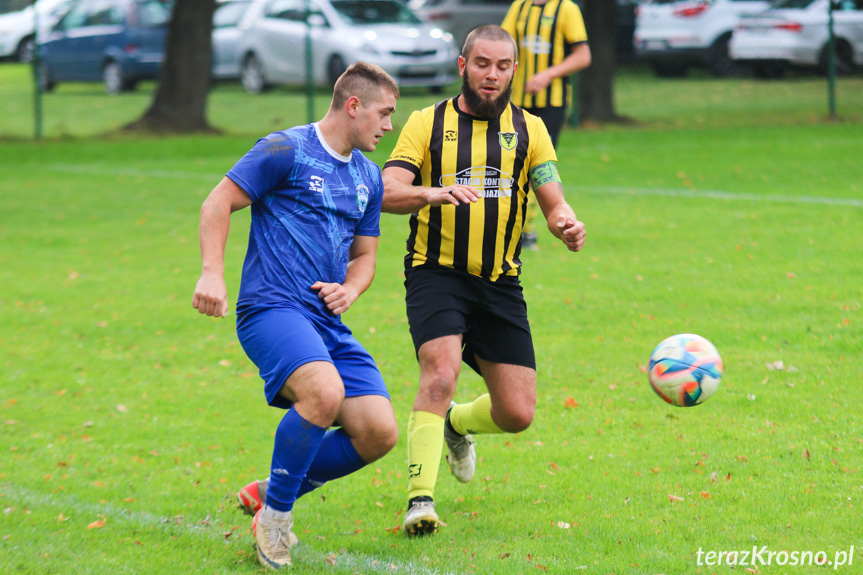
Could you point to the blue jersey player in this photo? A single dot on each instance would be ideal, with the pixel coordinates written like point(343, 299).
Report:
point(312, 249)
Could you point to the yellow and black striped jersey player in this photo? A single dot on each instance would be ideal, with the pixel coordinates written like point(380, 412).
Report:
point(463, 169)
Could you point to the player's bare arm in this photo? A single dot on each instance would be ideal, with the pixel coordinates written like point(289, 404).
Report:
point(402, 197)
point(361, 271)
point(211, 295)
point(559, 215)
point(578, 59)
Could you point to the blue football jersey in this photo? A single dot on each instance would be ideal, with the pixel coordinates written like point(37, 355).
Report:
point(308, 202)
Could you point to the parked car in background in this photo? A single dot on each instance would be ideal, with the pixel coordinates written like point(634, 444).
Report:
point(18, 29)
point(226, 38)
point(382, 32)
point(459, 17)
point(673, 36)
point(795, 33)
point(116, 41)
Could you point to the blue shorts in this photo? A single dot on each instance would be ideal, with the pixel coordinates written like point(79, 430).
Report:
point(279, 340)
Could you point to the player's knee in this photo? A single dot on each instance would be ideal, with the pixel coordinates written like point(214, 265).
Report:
point(386, 437)
point(327, 399)
point(380, 440)
point(439, 382)
point(516, 420)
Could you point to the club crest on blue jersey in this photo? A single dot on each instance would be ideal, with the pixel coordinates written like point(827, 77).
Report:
point(316, 184)
point(508, 140)
point(362, 197)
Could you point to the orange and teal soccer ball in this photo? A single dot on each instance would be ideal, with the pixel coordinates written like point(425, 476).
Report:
point(685, 369)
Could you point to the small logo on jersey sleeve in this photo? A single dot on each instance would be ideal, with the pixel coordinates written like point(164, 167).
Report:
point(508, 140)
point(362, 197)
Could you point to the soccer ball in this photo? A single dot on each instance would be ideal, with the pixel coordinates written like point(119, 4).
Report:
point(685, 369)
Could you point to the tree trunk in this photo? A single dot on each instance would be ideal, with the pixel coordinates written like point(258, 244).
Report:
point(596, 82)
point(180, 101)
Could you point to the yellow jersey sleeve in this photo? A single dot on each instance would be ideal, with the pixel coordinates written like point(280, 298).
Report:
point(413, 142)
point(542, 150)
point(572, 23)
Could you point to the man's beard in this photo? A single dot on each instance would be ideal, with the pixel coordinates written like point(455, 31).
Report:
point(483, 107)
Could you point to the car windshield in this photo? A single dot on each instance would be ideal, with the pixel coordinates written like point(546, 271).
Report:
point(374, 12)
point(154, 14)
point(229, 13)
point(792, 4)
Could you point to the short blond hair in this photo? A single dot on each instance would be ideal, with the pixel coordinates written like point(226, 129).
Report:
point(365, 81)
point(488, 32)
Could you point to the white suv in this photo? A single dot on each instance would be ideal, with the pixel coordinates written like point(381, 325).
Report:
point(17, 36)
point(675, 35)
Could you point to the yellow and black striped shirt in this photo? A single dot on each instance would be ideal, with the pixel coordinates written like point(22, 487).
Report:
point(442, 146)
point(545, 35)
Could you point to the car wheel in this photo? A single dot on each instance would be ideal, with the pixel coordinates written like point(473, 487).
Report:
point(252, 75)
point(114, 78)
point(719, 59)
point(335, 68)
point(46, 82)
point(844, 59)
point(669, 70)
point(26, 49)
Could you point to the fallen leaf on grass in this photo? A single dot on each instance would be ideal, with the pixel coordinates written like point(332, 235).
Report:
point(674, 498)
point(563, 525)
point(96, 524)
point(706, 494)
point(570, 403)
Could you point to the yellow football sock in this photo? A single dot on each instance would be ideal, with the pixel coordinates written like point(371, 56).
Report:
point(425, 446)
point(474, 417)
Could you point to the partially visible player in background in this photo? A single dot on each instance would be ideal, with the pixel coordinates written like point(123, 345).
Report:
point(552, 46)
point(313, 242)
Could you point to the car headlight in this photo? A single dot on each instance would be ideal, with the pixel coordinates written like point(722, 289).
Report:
point(369, 44)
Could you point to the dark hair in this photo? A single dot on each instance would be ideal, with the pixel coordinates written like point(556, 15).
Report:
point(364, 81)
point(488, 32)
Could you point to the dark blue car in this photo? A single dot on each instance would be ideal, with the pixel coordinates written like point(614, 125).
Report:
point(117, 42)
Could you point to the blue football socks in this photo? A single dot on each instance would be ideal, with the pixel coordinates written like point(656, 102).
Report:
point(336, 458)
point(296, 445)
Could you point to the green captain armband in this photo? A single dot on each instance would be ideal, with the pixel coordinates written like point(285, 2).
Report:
point(543, 174)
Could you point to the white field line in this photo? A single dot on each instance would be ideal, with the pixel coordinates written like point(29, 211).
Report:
point(618, 190)
point(209, 527)
point(719, 195)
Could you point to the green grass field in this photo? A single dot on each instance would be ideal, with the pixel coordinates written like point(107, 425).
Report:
point(129, 421)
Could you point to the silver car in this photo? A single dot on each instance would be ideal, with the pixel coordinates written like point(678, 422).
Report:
point(795, 33)
point(272, 46)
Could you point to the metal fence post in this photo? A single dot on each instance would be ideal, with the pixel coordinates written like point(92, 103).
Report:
point(831, 61)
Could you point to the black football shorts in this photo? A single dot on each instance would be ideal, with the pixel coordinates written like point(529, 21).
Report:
point(491, 316)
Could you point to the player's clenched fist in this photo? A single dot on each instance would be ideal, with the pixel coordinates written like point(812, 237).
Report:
point(572, 233)
point(211, 296)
